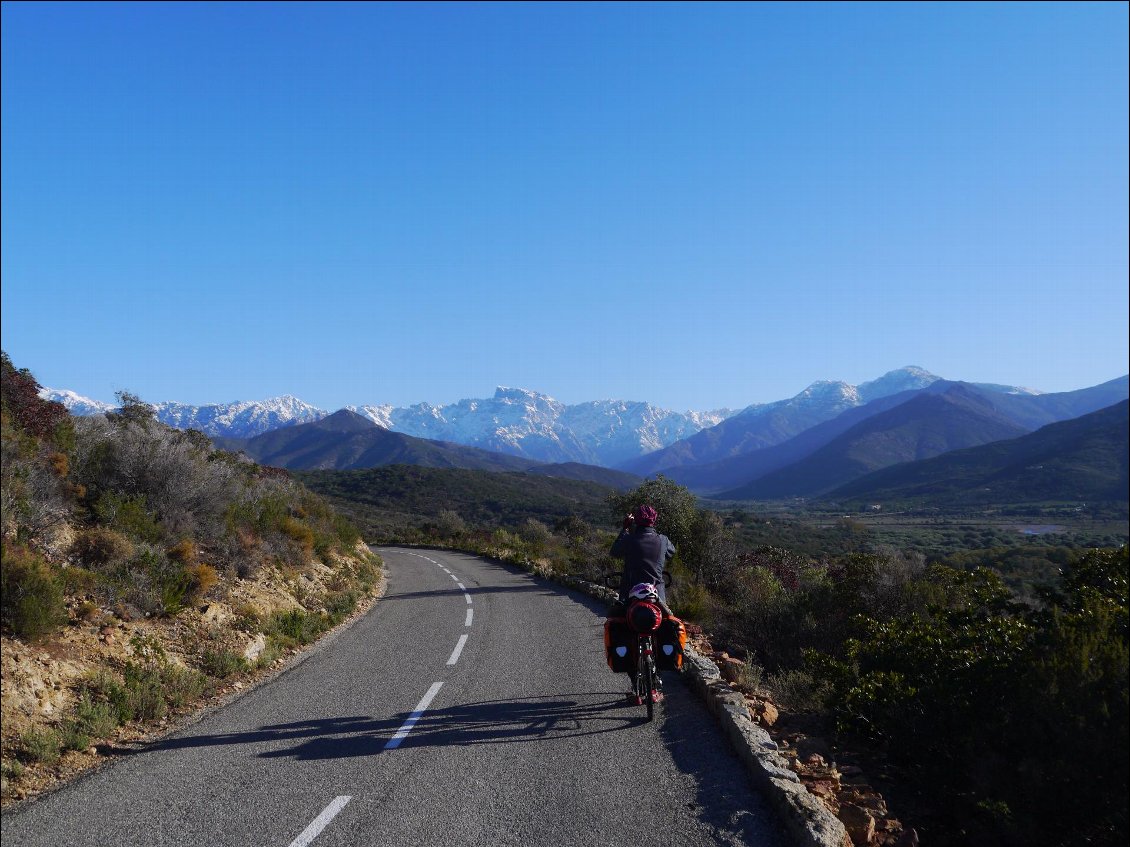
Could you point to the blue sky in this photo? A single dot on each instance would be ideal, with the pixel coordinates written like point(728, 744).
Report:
point(696, 205)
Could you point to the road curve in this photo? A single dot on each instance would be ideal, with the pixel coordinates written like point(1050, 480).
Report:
point(471, 706)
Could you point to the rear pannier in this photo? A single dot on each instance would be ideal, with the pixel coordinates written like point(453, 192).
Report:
point(670, 644)
point(620, 645)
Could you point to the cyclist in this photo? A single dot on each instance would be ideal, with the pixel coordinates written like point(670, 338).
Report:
point(645, 553)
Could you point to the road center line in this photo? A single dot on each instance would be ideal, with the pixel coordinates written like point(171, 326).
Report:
point(458, 649)
point(461, 586)
point(319, 823)
point(468, 596)
point(417, 713)
point(470, 617)
point(454, 577)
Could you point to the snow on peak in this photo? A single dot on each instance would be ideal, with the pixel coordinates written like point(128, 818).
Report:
point(76, 404)
point(910, 378)
point(828, 390)
point(520, 395)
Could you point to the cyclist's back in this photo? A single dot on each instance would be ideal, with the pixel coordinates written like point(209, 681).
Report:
point(644, 550)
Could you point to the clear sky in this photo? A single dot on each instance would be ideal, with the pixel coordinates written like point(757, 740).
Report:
point(696, 205)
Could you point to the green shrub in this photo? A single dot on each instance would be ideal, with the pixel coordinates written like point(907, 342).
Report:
point(72, 737)
point(799, 690)
point(223, 663)
point(40, 746)
point(127, 514)
point(96, 719)
point(181, 686)
point(11, 769)
point(31, 597)
point(339, 604)
point(100, 547)
point(296, 627)
point(144, 691)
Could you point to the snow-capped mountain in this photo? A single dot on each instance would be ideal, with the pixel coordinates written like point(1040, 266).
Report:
point(76, 404)
point(241, 419)
point(515, 420)
point(526, 423)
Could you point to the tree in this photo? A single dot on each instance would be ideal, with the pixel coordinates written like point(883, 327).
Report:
point(132, 409)
point(677, 507)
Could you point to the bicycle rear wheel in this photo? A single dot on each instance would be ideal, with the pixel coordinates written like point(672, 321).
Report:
point(647, 670)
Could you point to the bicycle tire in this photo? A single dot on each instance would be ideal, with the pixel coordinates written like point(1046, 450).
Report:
point(647, 663)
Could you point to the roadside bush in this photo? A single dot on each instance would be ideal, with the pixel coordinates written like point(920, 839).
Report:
point(151, 582)
point(223, 663)
point(100, 547)
point(31, 596)
point(127, 514)
point(295, 627)
point(202, 578)
point(799, 690)
point(1004, 710)
point(40, 746)
point(340, 603)
point(97, 720)
point(298, 532)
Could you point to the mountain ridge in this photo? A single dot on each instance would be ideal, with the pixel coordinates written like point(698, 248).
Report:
point(1082, 459)
point(346, 440)
point(927, 424)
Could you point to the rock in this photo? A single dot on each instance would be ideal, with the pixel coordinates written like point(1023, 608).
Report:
point(858, 822)
point(822, 788)
point(909, 838)
point(768, 714)
point(731, 669)
point(807, 745)
point(257, 646)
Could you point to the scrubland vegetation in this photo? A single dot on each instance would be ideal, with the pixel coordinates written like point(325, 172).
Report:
point(999, 703)
point(120, 518)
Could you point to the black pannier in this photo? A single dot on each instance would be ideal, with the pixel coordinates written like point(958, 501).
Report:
point(620, 645)
point(670, 641)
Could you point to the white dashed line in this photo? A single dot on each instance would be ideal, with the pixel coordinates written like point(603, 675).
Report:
point(470, 617)
point(454, 577)
point(321, 822)
point(458, 649)
point(468, 596)
point(417, 713)
point(462, 587)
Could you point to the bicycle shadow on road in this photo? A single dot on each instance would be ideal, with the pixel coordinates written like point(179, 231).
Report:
point(490, 722)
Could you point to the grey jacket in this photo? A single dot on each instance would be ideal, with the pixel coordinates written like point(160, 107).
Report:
point(645, 553)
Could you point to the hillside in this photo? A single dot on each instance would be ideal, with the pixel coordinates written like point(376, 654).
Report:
point(145, 573)
point(380, 499)
point(345, 440)
point(1084, 459)
point(926, 425)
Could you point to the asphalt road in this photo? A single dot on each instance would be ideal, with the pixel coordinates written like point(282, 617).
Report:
point(471, 706)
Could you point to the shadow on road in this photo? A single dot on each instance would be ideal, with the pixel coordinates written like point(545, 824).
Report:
point(473, 590)
point(489, 722)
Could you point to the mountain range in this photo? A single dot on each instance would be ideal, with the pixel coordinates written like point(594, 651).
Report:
point(515, 421)
point(1084, 459)
point(346, 440)
point(805, 446)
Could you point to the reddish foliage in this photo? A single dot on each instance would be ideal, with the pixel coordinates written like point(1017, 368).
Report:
point(21, 400)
